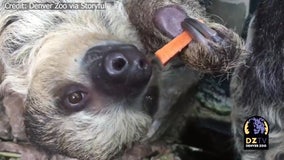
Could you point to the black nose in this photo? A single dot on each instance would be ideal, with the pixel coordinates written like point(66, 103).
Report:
point(118, 68)
point(125, 63)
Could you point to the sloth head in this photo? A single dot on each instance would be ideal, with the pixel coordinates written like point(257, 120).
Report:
point(88, 99)
point(87, 87)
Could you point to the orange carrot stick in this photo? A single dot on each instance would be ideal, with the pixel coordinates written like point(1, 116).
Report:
point(173, 47)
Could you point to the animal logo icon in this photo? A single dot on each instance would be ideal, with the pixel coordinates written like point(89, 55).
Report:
point(256, 126)
point(256, 131)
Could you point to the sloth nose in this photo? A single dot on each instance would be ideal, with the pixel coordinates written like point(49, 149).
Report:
point(122, 69)
point(126, 63)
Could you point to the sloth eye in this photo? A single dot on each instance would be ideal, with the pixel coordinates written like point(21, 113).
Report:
point(75, 98)
point(75, 101)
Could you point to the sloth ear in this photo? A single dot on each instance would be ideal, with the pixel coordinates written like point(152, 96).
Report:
point(12, 81)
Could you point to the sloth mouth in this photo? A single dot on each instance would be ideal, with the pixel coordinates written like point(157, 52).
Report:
point(150, 101)
point(151, 96)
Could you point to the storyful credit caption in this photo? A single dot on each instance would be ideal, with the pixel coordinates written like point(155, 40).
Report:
point(55, 6)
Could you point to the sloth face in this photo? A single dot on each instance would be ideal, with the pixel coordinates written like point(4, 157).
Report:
point(88, 97)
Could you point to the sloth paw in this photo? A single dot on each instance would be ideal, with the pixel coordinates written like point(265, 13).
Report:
point(213, 49)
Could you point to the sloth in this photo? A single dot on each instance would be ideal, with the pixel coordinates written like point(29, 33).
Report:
point(257, 83)
point(89, 78)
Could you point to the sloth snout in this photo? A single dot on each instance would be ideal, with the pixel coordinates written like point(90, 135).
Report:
point(118, 68)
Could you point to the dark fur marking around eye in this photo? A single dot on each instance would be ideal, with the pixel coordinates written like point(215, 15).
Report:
point(65, 97)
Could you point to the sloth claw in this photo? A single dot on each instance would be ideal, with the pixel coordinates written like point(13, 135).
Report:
point(215, 49)
point(200, 32)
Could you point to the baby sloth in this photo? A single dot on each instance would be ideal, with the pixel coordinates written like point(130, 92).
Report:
point(257, 85)
point(88, 82)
